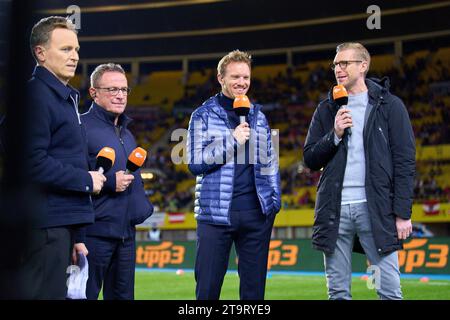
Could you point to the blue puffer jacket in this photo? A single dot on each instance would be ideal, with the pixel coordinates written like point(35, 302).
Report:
point(211, 150)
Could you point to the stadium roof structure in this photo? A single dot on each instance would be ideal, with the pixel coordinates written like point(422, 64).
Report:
point(169, 30)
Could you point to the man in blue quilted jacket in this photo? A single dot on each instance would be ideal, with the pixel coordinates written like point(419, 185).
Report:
point(238, 185)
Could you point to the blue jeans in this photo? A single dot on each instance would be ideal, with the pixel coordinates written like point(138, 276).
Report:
point(355, 219)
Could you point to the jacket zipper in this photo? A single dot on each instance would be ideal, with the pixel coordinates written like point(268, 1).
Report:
point(366, 155)
point(382, 134)
point(227, 122)
point(369, 127)
point(128, 190)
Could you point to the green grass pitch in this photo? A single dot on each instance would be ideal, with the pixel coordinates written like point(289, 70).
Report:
point(170, 286)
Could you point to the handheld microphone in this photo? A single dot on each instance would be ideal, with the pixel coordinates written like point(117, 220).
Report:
point(340, 96)
point(241, 105)
point(105, 159)
point(136, 159)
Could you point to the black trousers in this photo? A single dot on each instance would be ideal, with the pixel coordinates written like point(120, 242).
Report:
point(46, 259)
point(111, 266)
point(250, 231)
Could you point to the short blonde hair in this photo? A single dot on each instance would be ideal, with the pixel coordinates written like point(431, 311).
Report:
point(360, 50)
point(233, 56)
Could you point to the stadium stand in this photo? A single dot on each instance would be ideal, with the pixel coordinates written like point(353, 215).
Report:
point(161, 101)
point(173, 74)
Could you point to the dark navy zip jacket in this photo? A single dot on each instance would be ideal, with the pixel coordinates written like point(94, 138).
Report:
point(57, 152)
point(116, 213)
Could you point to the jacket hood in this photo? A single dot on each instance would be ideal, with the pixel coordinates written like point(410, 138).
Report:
point(378, 85)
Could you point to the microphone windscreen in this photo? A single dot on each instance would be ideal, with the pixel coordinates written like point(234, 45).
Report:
point(105, 158)
point(241, 105)
point(340, 95)
point(136, 159)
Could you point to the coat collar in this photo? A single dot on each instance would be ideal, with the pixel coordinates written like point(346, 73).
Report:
point(377, 89)
point(215, 106)
point(109, 117)
point(64, 91)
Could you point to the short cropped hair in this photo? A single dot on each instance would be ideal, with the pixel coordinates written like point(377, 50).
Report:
point(97, 74)
point(42, 31)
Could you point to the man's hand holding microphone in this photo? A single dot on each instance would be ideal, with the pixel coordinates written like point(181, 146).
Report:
point(241, 105)
point(123, 180)
point(343, 119)
point(242, 133)
point(135, 160)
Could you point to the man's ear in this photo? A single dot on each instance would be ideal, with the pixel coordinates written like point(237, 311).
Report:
point(364, 65)
point(220, 78)
point(40, 54)
point(93, 93)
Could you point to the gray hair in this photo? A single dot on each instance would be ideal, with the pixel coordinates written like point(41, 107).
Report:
point(97, 74)
point(233, 56)
point(360, 50)
point(42, 30)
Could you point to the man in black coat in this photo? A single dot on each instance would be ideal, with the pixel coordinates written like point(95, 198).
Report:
point(57, 159)
point(365, 192)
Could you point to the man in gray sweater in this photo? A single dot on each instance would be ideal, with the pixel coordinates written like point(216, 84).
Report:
point(364, 197)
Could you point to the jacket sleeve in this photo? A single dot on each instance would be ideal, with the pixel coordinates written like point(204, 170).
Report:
point(110, 184)
point(141, 207)
point(205, 154)
point(403, 151)
point(271, 169)
point(80, 235)
point(42, 167)
point(319, 146)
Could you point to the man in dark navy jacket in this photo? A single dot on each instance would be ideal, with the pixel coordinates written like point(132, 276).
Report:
point(58, 160)
point(122, 203)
